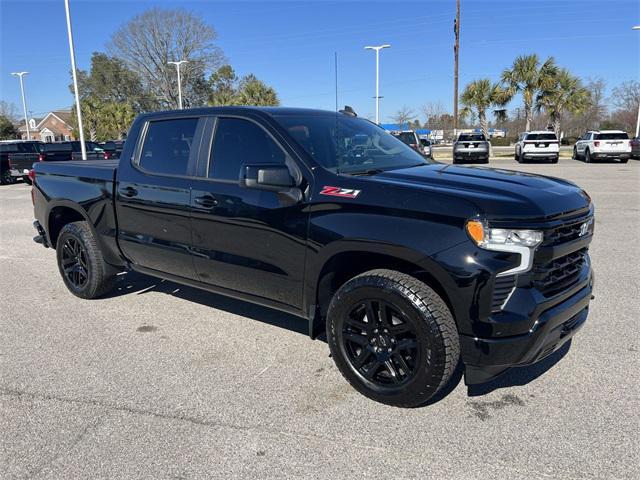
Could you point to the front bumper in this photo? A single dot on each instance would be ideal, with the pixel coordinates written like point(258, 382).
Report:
point(554, 322)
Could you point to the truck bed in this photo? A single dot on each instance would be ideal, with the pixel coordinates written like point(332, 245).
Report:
point(94, 169)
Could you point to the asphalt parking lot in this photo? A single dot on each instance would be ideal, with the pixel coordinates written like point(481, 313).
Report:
point(163, 381)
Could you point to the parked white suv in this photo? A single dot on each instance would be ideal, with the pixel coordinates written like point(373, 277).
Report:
point(537, 145)
point(603, 144)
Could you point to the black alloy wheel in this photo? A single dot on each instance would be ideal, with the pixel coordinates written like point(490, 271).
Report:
point(380, 342)
point(392, 337)
point(80, 261)
point(74, 263)
point(587, 156)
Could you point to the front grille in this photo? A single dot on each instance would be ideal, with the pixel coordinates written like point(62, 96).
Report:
point(565, 233)
point(559, 274)
point(502, 288)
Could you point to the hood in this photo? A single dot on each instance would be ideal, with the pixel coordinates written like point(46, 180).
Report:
point(503, 194)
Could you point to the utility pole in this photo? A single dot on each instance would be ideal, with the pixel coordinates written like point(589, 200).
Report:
point(377, 49)
point(637, 27)
point(72, 53)
point(456, 51)
point(177, 64)
point(24, 102)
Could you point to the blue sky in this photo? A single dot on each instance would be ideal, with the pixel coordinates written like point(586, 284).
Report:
point(291, 45)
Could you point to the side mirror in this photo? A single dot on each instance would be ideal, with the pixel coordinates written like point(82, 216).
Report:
point(276, 178)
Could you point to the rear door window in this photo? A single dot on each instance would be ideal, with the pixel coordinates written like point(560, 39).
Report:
point(168, 146)
point(238, 141)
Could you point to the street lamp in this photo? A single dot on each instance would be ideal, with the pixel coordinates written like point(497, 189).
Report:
point(637, 27)
point(377, 49)
point(24, 102)
point(177, 64)
point(72, 53)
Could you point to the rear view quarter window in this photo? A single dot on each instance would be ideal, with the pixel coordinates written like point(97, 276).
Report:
point(238, 142)
point(612, 136)
point(542, 136)
point(167, 146)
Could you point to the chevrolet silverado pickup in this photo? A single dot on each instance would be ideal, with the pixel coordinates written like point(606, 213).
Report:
point(408, 266)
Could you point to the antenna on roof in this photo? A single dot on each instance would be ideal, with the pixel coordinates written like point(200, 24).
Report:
point(335, 61)
point(347, 110)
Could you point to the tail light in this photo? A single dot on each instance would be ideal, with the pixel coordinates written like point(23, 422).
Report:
point(40, 159)
point(106, 155)
point(596, 144)
point(9, 161)
point(32, 177)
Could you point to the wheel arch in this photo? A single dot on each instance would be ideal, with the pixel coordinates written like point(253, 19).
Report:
point(341, 266)
point(62, 213)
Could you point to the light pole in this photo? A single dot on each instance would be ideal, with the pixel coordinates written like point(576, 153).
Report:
point(637, 27)
point(72, 53)
point(377, 49)
point(177, 64)
point(24, 102)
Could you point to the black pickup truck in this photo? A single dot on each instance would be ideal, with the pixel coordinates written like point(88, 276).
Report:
point(21, 155)
point(71, 150)
point(408, 266)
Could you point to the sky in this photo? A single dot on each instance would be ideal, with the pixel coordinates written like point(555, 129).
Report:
point(291, 45)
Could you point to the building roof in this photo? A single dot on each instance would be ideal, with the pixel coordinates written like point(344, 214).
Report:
point(63, 115)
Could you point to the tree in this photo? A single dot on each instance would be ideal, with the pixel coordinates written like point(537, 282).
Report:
point(8, 130)
point(626, 96)
point(223, 84)
point(9, 110)
point(225, 88)
point(252, 91)
point(528, 77)
point(564, 93)
point(110, 80)
point(403, 116)
point(481, 95)
point(151, 39)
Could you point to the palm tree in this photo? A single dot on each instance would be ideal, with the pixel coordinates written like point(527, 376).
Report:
point(481, 95)
point(564, 93)
point(528, 77)
point(252, 91)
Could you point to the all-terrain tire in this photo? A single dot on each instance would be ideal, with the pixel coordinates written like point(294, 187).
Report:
point(435, 333)
point(98, 275)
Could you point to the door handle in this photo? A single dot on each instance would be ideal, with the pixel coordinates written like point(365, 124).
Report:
point(206, 201)
point(128, 191)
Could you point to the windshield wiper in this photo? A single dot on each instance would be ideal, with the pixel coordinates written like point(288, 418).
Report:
point(371, 171)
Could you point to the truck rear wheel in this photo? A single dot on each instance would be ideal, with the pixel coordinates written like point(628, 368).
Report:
point(392, 337)
point(80, 261)
point(6, 178)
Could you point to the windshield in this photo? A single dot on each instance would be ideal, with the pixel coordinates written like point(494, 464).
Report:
point(349, 145)
point(407, 137)
point(471, 137)
point(542, 136)
point(612, 136)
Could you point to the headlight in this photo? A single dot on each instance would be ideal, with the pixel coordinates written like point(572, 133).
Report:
point(523, 242)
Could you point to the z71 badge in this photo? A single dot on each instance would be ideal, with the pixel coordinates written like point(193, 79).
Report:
point(340, 192)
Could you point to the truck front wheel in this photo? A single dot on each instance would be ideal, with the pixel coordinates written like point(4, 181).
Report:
point(392, 337)
point(80, 261)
